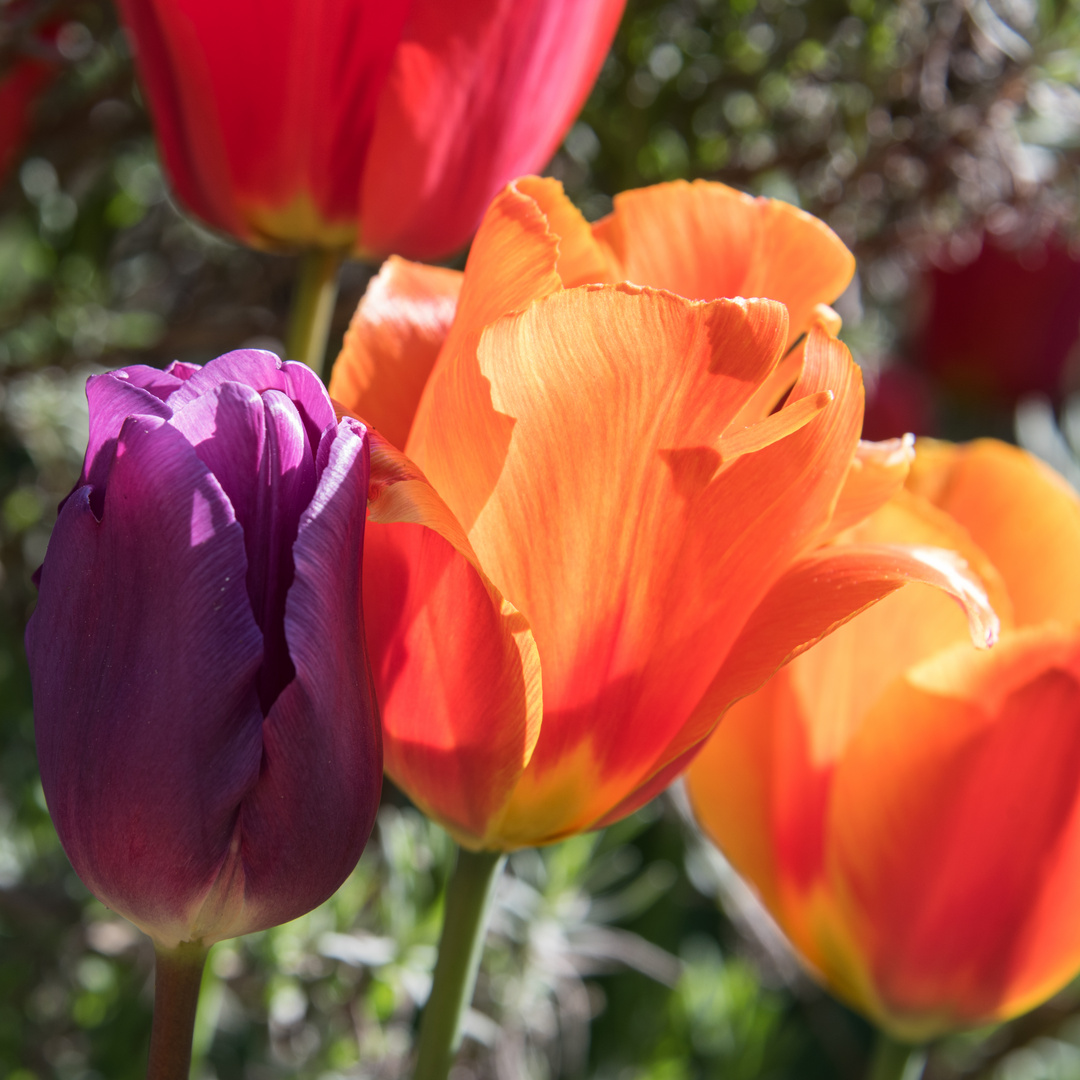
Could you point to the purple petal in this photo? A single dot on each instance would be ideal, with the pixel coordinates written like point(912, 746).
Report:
point(312, 399)
point(256, 446)
point(162, 384)
point(182, 370)
point(264, 371)
point(143, 653)
point(113, 397)
point(306, 822)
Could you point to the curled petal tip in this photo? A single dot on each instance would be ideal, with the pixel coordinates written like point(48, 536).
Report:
point(827, 318)
point(983, 622)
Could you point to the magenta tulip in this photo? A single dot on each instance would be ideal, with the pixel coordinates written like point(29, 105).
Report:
point(209, 750)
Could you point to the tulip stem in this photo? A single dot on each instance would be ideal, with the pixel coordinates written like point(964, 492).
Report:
point(177, 977)
point(313, 306)
point(892, 1060)
point(468, 905)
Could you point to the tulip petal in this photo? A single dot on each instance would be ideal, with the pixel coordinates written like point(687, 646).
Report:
point(582, 260)
point(731, 786)
point(392, 343)
point(877, 473)
point(112, 398)
point(234, 163)
point(1010, 502)
point(520, 69)
point(321, 766)
point(144, 771)
point(756, 247)
point(825, 589)
point(943, 819)
point(256, 447)
point(619, 632)
point(512, 263)
point(455, 665)
point(262, 370)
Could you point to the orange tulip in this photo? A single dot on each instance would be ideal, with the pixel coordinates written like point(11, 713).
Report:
point(603, 532)
point(907, 808)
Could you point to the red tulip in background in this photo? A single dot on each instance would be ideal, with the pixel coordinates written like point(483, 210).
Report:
point(20, 87)
point(208, 745)
point(610, 525)
point(1004, 325)
point(374, 125)
point(908, 808)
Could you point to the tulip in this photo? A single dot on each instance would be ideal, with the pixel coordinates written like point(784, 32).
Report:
point(907, 808)
point(1004, 325)
point(20, 87)
point(354, 124)
point(601, 521)
point(208, 742)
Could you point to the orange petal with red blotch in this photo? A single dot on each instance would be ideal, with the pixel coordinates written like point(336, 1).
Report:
point(392, 343)
point(1023, 515)
point(454, 664)
point(955, 815)
point(620, 398)
point(755, 247)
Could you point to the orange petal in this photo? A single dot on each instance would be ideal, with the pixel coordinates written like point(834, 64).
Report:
point(730, 786)
point(877, 473)
point(511, 263)
point(705, 240)
point(582, 261)
point(955, 817)
point(454, 664)
point(1020, 512)
point(392, 342)
point(635, 553)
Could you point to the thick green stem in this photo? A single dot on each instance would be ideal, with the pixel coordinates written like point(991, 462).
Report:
point(893, 1060)
point(468, 904)
point(177, 977)
point(313, 306)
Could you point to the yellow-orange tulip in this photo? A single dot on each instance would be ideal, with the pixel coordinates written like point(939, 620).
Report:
point(908, 808)
point(604, 530)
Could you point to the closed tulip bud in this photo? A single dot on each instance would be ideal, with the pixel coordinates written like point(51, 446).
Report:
point(371, 125)
point(908, 808)
point(208, 743)
point(619, 478)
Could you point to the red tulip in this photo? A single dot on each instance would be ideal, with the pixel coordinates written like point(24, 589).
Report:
point(20, 87)
point(1004, 325)
point(375, 125)
point(209, 746)
point(609, 527)
point(908, 808)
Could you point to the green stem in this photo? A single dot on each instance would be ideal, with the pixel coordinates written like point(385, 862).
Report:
point(177, 978)
point(893, 1060)
point(468, 904)
point(313, 306)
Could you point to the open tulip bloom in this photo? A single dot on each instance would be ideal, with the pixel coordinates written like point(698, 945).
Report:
point(613, 515)
point(208, 742)
point(908, 808)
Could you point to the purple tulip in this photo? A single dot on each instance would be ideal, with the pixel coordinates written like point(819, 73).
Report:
point(209, 749)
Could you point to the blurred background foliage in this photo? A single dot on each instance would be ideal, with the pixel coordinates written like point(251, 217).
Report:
point(941, 139)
